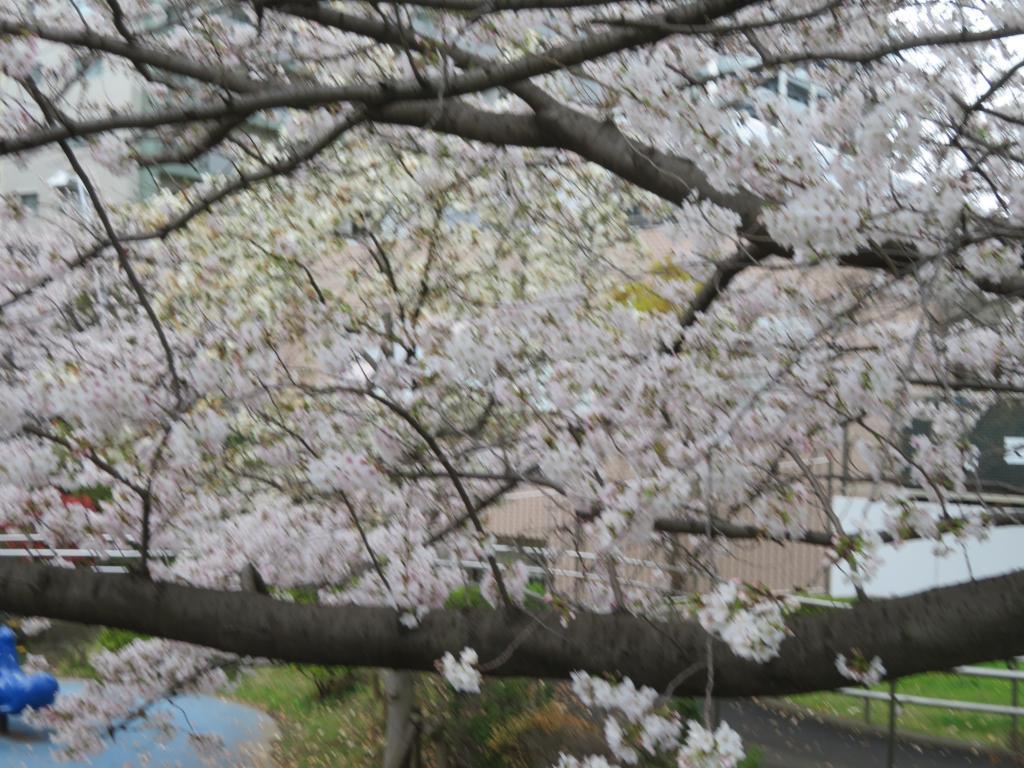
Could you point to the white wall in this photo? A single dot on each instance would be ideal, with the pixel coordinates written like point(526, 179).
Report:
point(914, 566)
point(105, 89)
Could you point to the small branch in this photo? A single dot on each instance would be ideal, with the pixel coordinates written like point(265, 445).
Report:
point(89, 453)
point(696, 527)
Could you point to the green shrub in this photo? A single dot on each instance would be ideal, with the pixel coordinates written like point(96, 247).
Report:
point(753, 758)
point(303, 596)
point(469, 596)
point(464, 598)
point(687, 708)
point(534, 599)
point(112, 639)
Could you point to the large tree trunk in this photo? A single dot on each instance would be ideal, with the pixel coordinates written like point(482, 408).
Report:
point(400, 730)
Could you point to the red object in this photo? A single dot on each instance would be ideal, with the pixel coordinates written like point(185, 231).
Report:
point(78, 498)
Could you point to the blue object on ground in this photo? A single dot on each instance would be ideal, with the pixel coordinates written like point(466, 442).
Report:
point(246, 734)
point(18, 689)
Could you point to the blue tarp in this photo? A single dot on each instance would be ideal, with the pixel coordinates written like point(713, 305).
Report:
point(18, 689)
point(245, 732)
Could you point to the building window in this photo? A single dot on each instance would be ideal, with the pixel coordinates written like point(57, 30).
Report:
point(799, 92)
point(164, 178)
point(69, 190)
point(770, 84)
point(29, 202)
point(71, 194)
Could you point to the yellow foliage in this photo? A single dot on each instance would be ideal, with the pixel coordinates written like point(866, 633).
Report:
point(553, 719)
point(643, 298)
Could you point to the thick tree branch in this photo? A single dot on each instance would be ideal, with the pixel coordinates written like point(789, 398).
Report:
point(938, 629)
point(167, 61)
point(472, 7)
point(731, 530)
point(240, 107)
point(556, 125)
point(473, 80)
point(189, 153)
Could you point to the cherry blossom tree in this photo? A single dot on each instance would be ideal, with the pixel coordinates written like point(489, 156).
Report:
point(321, 370)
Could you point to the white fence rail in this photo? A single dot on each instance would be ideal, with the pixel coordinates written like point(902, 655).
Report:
point(927, 701)
point(36, 546)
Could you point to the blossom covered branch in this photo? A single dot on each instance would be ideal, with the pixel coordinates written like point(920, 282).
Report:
point(937, 629)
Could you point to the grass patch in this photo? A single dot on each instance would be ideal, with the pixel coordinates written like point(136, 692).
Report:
point(971, 727)
point(315, 732)
point(514, 723)
point(753, 758)
point(70, 655)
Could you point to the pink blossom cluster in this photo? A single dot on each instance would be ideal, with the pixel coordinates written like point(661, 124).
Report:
point(752, 625)
point(638, 724)
point(461, 673)
point(860, 670)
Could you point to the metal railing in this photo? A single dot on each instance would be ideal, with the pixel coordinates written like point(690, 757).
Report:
point(35, 546)
point(1013, 710)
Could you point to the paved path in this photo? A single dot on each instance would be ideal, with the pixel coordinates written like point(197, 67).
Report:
point(246, 733)
point(789, 741)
